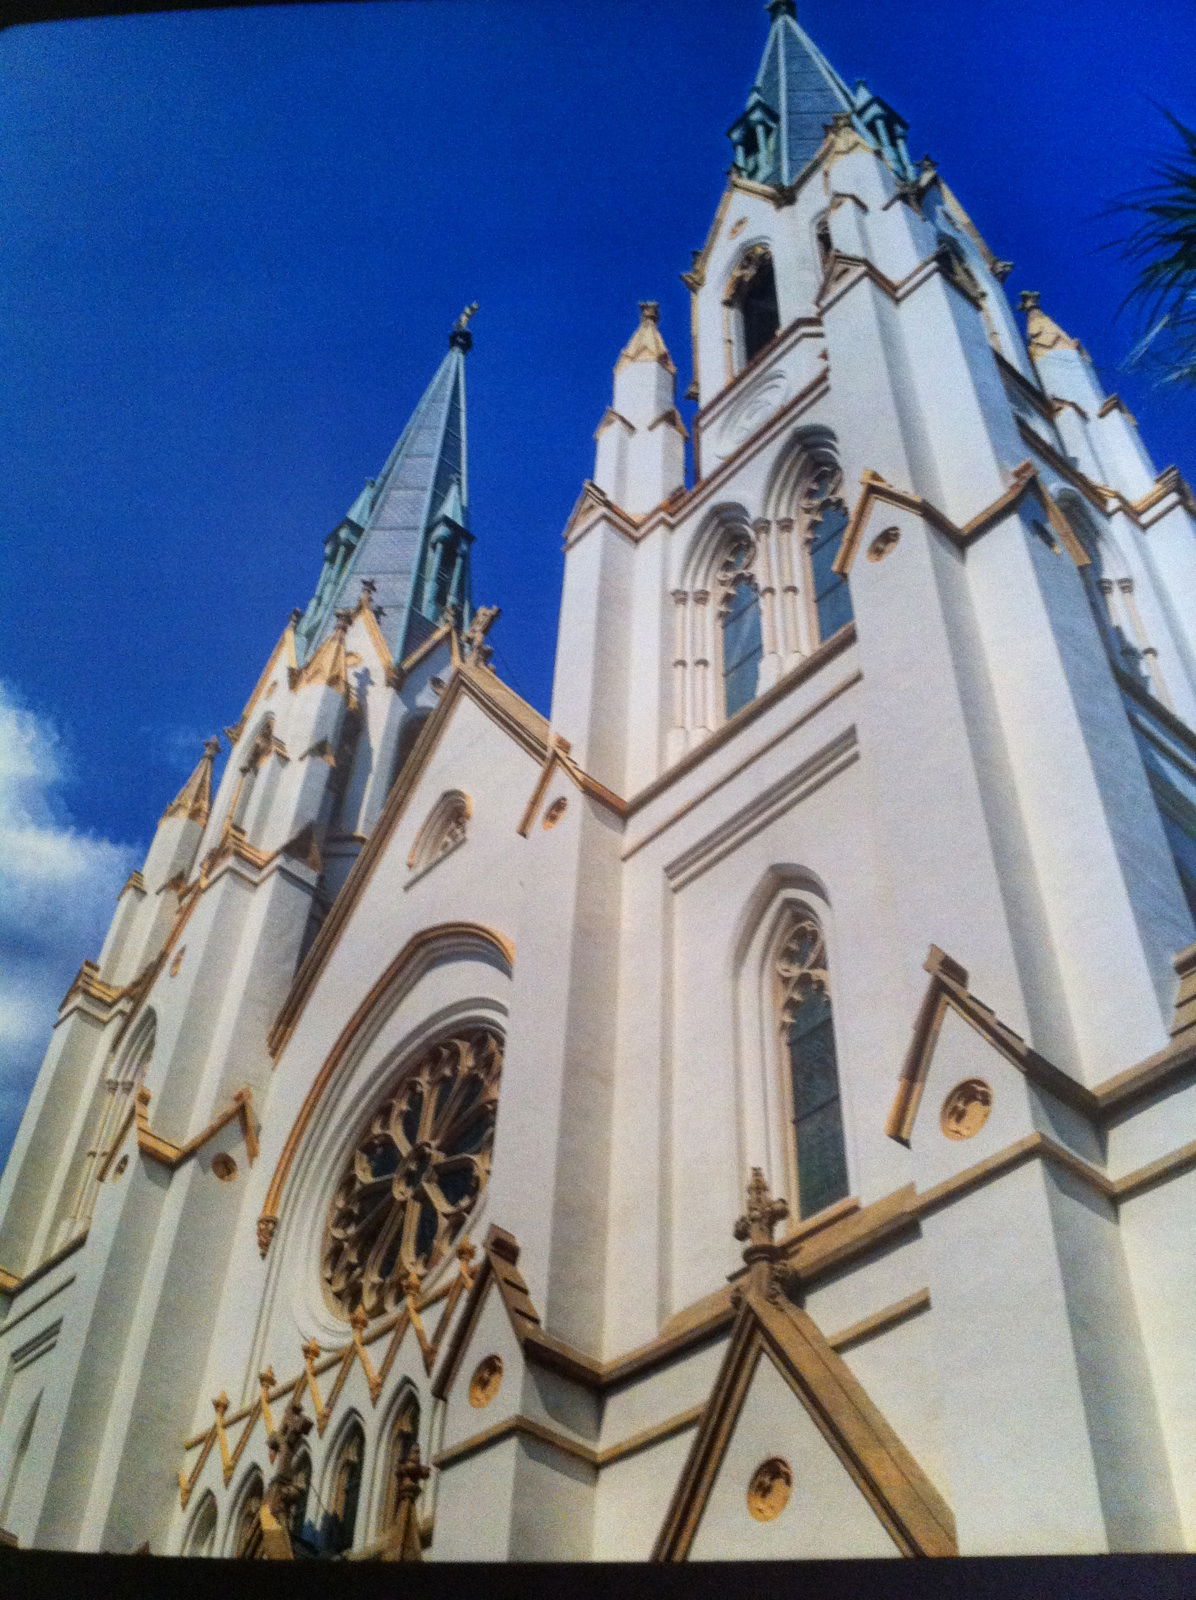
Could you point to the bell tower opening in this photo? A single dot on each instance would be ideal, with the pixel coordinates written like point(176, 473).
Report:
point(752, 304)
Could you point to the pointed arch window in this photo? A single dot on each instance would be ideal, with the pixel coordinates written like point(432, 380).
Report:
point(201, 1536)
point(825, 516)
point(258, 754)
point(344, 1492)
point(752, 307)
point(248, 1528)
point(111, 1122)
point(18, 1461)
point(402, 1450)
point(1110, 591)
point(300, 1486)
point(739, 620)
point(408, 735)
point(817, 1148)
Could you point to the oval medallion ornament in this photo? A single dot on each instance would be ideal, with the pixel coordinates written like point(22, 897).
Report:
point(966, 1109)
point(414, 1177)
point(770, 1488)
point(884, 542)
point(486, 1381)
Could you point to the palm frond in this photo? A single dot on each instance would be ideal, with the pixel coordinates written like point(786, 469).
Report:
point(1161, 246)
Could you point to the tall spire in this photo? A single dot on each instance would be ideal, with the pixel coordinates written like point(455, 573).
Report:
point(796, 94)
point(408, 530)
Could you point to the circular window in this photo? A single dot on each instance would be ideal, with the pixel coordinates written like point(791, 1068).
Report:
point(414, 1176)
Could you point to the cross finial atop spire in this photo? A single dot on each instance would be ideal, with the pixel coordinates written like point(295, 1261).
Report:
point(781, 8)
point(460, 335)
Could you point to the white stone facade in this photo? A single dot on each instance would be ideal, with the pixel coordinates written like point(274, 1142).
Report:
point(974, 789)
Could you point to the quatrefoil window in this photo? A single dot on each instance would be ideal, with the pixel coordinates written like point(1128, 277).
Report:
point(414, 1177)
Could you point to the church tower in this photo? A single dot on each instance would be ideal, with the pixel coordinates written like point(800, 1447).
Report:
point(749, 1113)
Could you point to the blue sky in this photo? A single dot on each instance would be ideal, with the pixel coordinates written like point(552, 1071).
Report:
point(237, 240)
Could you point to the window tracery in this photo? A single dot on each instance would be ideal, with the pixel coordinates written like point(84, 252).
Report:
point(757, 597)
point(415, 1175)
point(811, 1078)
point(739, 625)
point(403, 1448)
point(824, 513)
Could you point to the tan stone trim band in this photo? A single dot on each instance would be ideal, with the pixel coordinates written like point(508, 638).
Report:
point(880, 1321)
point(172, 1155)
point(15, 1285)
point(529, 1428)
point(650, 1436)
point(1025, 480)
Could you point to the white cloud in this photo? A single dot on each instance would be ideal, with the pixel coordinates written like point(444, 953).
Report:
point(58, 888)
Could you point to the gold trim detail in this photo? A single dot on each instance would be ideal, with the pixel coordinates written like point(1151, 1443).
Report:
point(172, 1155)
point(948, 988)
point(558, 756)
point(769, 1489)
point(966, 1109)
point(646, 343)
point(315, 1364)
point(1025, 480)
point(1043, 334)
point(486, 1381)
point(194, 799)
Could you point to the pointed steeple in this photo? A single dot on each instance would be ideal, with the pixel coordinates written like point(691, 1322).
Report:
point(408, 530)
point(194, 799)
point(646, 343)
point(796, 94)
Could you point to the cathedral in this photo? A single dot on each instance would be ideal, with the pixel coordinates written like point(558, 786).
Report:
point(750, 1113)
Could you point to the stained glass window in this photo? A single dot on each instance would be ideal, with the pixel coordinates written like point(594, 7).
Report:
point(742, 646)
point(809, 1045)
point(415, 1175)
point(832, 598)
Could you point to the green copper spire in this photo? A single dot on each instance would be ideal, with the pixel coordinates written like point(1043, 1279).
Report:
point(796, 94)
point(407, 533)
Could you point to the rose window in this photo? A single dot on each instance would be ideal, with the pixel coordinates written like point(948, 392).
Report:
point(414, 1176)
